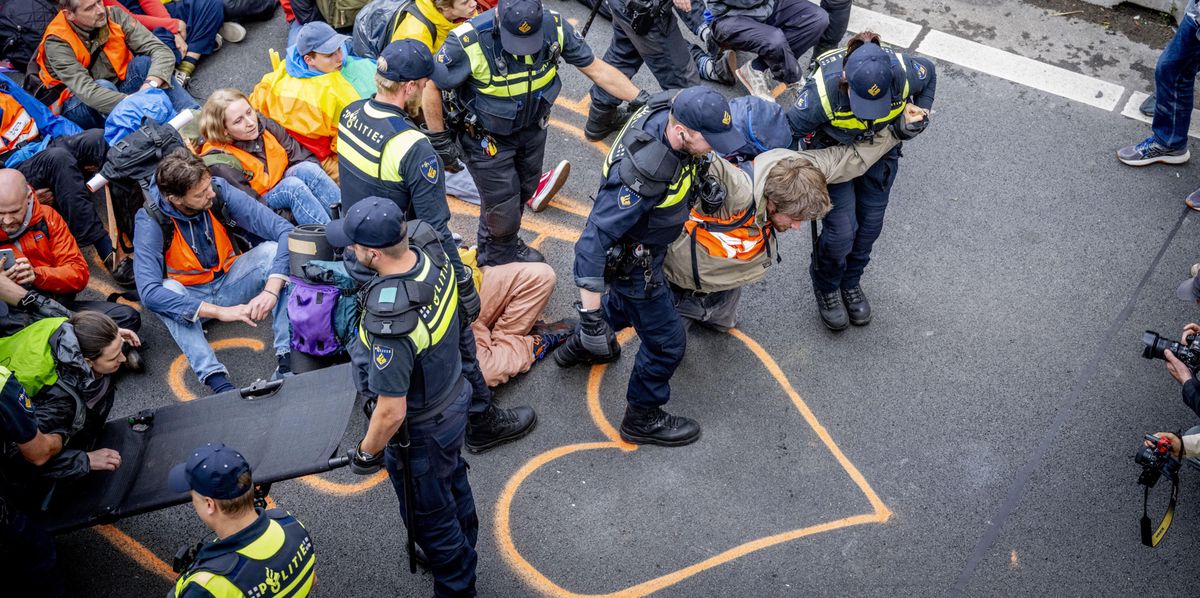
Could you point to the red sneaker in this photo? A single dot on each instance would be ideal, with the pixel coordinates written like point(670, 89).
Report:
point(551, 182)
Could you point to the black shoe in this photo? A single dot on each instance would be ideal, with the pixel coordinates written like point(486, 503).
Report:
point(122, 272)
point(572, 353)
point(527, 254)
point(857, 306)
point(133, 360)
point(833, 313)
point(655, 426)
point(283, 366)
point(602, 122)
point(1147, 107)
point(495, 427)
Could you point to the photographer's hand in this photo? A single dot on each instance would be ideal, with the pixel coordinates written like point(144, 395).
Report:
point(1189, 330)
point(1176, 368)
point(1176, 443)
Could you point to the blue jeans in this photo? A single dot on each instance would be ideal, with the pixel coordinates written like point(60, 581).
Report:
point(307, 191)
point(87, 117)
point(1174, 86)
point(850, 230)
point(244, 280)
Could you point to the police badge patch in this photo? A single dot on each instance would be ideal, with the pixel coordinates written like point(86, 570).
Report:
point(627, 199)
point(922, 72)
point(802, 101)
point(382, 356)
point(429, 169)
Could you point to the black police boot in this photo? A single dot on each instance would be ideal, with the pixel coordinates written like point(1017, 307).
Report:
point(602, 122)
point(495, 427)
point(833, 313)
point(572, 353)
point(857, 306)
point(526, 253)
point(655, 426)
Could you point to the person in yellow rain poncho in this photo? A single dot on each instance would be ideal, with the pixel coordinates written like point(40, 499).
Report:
point(307, 92)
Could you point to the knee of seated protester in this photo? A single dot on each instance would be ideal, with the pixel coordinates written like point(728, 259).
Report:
point(542, 273)
point(59, 156)
point(775, 38)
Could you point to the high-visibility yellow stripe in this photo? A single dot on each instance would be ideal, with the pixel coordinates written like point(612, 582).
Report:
point(846, 119)
point(305, 580)
point(394, 152)
point(358, 161)
point(217, 585)
point(506, 86)
point(359, 144)
point(266, 545)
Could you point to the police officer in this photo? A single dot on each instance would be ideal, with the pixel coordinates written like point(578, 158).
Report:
point(382, 153)
point(410, 325)
point(256, 553)
point(502, 67)
point(647, 191)
point(644, 31)
point(855, 92)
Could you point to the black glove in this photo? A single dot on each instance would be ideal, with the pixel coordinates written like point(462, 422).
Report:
point(468, 299)
point(363, 464)
point(643, 97)
point(43, 306)
point(445, 143)
point(594, 332)
point(905, 130)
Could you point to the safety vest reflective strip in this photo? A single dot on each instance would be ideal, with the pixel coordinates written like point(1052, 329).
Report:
point(742, 243)
point(505, 86)
point(184, 267)
point(115, 49)
point(214, 584)
point(427, 335)
point(677, 190)
point(16, 124)
point(263, 177)
point(369, 160)
point(846, 119)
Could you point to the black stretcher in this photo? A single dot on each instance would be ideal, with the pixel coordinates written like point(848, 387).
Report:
point(285, 429)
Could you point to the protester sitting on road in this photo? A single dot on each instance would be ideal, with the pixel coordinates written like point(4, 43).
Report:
point(189, 267)
point(46, 257)
point(282, 562)
point(509, 337)
point(92, 56)
point(307, 92)
point(50, 152)
point(66, 366)
point(193, 28)
point(256, 155)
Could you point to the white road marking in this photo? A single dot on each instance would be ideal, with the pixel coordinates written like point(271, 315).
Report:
point(1135, 101)
point(896, 32)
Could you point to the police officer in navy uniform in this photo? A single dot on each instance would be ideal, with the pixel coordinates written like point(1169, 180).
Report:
point(649, 181)
point(411, 326)
point(855, 92)
point(502, 69)
point(257, 553)
point(382, 153)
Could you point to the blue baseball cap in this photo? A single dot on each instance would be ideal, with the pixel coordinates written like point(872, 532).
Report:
point(705, 111)
point(520, 26)
point(372, 222)
point(404, 60)
point(319, 37)
point(214, 470)
point(869, 72)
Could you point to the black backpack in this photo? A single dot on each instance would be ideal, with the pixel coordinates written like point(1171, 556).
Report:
point(22, 23)
point(377, 21)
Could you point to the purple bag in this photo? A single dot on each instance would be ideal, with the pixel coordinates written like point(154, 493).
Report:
point(311, 308)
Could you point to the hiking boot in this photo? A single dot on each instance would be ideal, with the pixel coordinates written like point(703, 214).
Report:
point(755, 81)
point(122, 272)
point(549, 185)
point(283, 366)
point(1147, 107)
point(602, 121)
point(857, 306)
point(548, 337)
point(1149, 152)
point(572, 353)
point(655, 426)
point(833, 312)
point(496, 426)
point(232, 32)
point(133, 359)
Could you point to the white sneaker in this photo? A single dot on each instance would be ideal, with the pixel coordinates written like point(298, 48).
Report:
point(232, 32)
point(220, 41)
point(755, 81)
point(549, 185)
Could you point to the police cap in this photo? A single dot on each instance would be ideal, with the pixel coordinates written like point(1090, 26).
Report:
point(869, 72)
point(404, 60)
point(214, 470)
point(705, 111)
point(372, 222)
point(520, 26)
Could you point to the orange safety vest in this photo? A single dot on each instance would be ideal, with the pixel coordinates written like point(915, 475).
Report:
point(184, 267)
point(115, 49)
point(263, 177)
point(16, 124)
point(736, 237)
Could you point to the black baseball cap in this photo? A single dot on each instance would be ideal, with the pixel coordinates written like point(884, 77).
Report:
point(704, 110)
point(404, 60)
point(214, 470)
point(520, 26)
point(869, 72)
point(372, 222)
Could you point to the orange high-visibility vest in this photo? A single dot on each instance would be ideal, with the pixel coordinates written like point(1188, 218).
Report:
point(736, 237)
point(115, 49)
point(263, 177)
point(183, 265)
point(16, 124)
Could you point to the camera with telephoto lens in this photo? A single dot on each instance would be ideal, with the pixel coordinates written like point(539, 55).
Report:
point(1155, 461)
point(1155, 346)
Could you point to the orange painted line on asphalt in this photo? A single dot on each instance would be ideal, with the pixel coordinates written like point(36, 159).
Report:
point(579, 106)
point(595, 378)
point(136, 551)
point(340, 489)
point(570, 205)
point(576, 132)
point(536, 243)
point(531, 223)
point(175, 374)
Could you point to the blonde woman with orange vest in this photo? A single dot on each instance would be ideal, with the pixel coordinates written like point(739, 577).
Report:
point(257, 155)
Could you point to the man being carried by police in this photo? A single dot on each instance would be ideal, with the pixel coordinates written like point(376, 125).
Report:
point(502, 67)
point(383, 154)
point(649, 184)
point(257, 553)
point(410, 324)
point(853, 94)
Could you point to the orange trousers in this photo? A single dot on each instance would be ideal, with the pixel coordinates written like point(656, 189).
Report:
point(513, 296)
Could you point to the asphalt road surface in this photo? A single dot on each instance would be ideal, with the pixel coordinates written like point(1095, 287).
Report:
point(975, 439)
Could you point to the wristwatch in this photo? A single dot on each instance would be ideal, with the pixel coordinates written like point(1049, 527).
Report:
point(154, 83)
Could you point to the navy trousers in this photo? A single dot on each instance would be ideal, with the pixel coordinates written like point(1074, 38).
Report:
point(651, 312)
point(663, 49)
point(57, 168)
point(506, 170)
point(793, 29)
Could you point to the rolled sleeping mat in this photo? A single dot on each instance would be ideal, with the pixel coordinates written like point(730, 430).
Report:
point(307, 242)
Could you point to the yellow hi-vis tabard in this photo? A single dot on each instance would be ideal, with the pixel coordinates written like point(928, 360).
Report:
point(845, 119)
